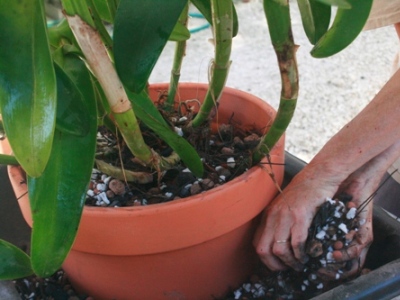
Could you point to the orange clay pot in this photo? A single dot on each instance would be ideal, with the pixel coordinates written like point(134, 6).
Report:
point(194, 248)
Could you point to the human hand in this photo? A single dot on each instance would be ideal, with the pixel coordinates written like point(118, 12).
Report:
point(280, 239)
point(281, 236)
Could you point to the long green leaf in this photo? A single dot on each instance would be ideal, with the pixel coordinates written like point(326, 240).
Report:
point(141, 31)
point(57, 197)
point(315, 17)
point(339, 3)
point(106, 9)
point(27, 83)
point(148, 113)
point(69, 119)
point(346, 26)
point(14, 263)
point(78, 7)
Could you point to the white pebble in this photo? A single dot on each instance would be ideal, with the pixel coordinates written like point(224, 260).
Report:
point(103, 197)
point(337, 214)
point(259, 292)
point(247, 287)
point(337, 276)
point(258, 286)
point(168, 194)
point(320, 286)
point(107, 180)
point(231, 162)
point(237, 294)
point(313, 276)
point(90, 193)
point(186, 170)
point(306, 282)
point(218, 168)
point(343, 227)
point(103, 177)
point(362, 222)
point(222, 178)
point(351, 213)
point(183, 119)
point(101, 187)
point(281, 283)
point(144, 202)
point(323, 262)
point(320, 235)
point(179, 131)
point(303, 287)
point(329, 256)
point(330, 200)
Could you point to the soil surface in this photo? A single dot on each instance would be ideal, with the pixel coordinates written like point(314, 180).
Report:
point(225, 152)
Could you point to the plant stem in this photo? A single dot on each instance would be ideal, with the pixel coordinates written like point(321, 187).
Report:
point(180, 49)
point(100, 25)
point(97, 57)
point(222, 28)
point(8, 160)
point(278, 17)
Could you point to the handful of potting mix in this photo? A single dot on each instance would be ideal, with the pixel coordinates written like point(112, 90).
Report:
point(332, 231)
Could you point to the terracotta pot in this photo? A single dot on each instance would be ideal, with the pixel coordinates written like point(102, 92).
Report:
point(194, 248)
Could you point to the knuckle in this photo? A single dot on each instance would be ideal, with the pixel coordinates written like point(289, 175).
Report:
point(262, 251)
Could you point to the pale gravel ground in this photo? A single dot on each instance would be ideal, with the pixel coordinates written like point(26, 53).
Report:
point(332, 90)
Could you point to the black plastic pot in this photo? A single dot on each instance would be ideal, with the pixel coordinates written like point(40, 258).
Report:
point(383, 282)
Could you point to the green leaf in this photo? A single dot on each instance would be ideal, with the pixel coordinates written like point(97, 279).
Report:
point(204, 6)
point(346, 26)
point(78, 7)
point(61, 34)
point(180, 33)
point(106, 9)
point(69, 119)
point(315, 17)
point(141, 31)
point(148, 113)
point(27, 83)
point(57, 197)
point(339, 3)
point(14, 263)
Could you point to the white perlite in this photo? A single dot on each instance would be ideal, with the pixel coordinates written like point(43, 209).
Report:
point(343, 227)
point(351, 213)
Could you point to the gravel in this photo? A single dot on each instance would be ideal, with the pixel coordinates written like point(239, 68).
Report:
point(332, 90)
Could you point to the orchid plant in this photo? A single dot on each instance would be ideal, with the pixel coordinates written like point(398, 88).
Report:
point(58, 84)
